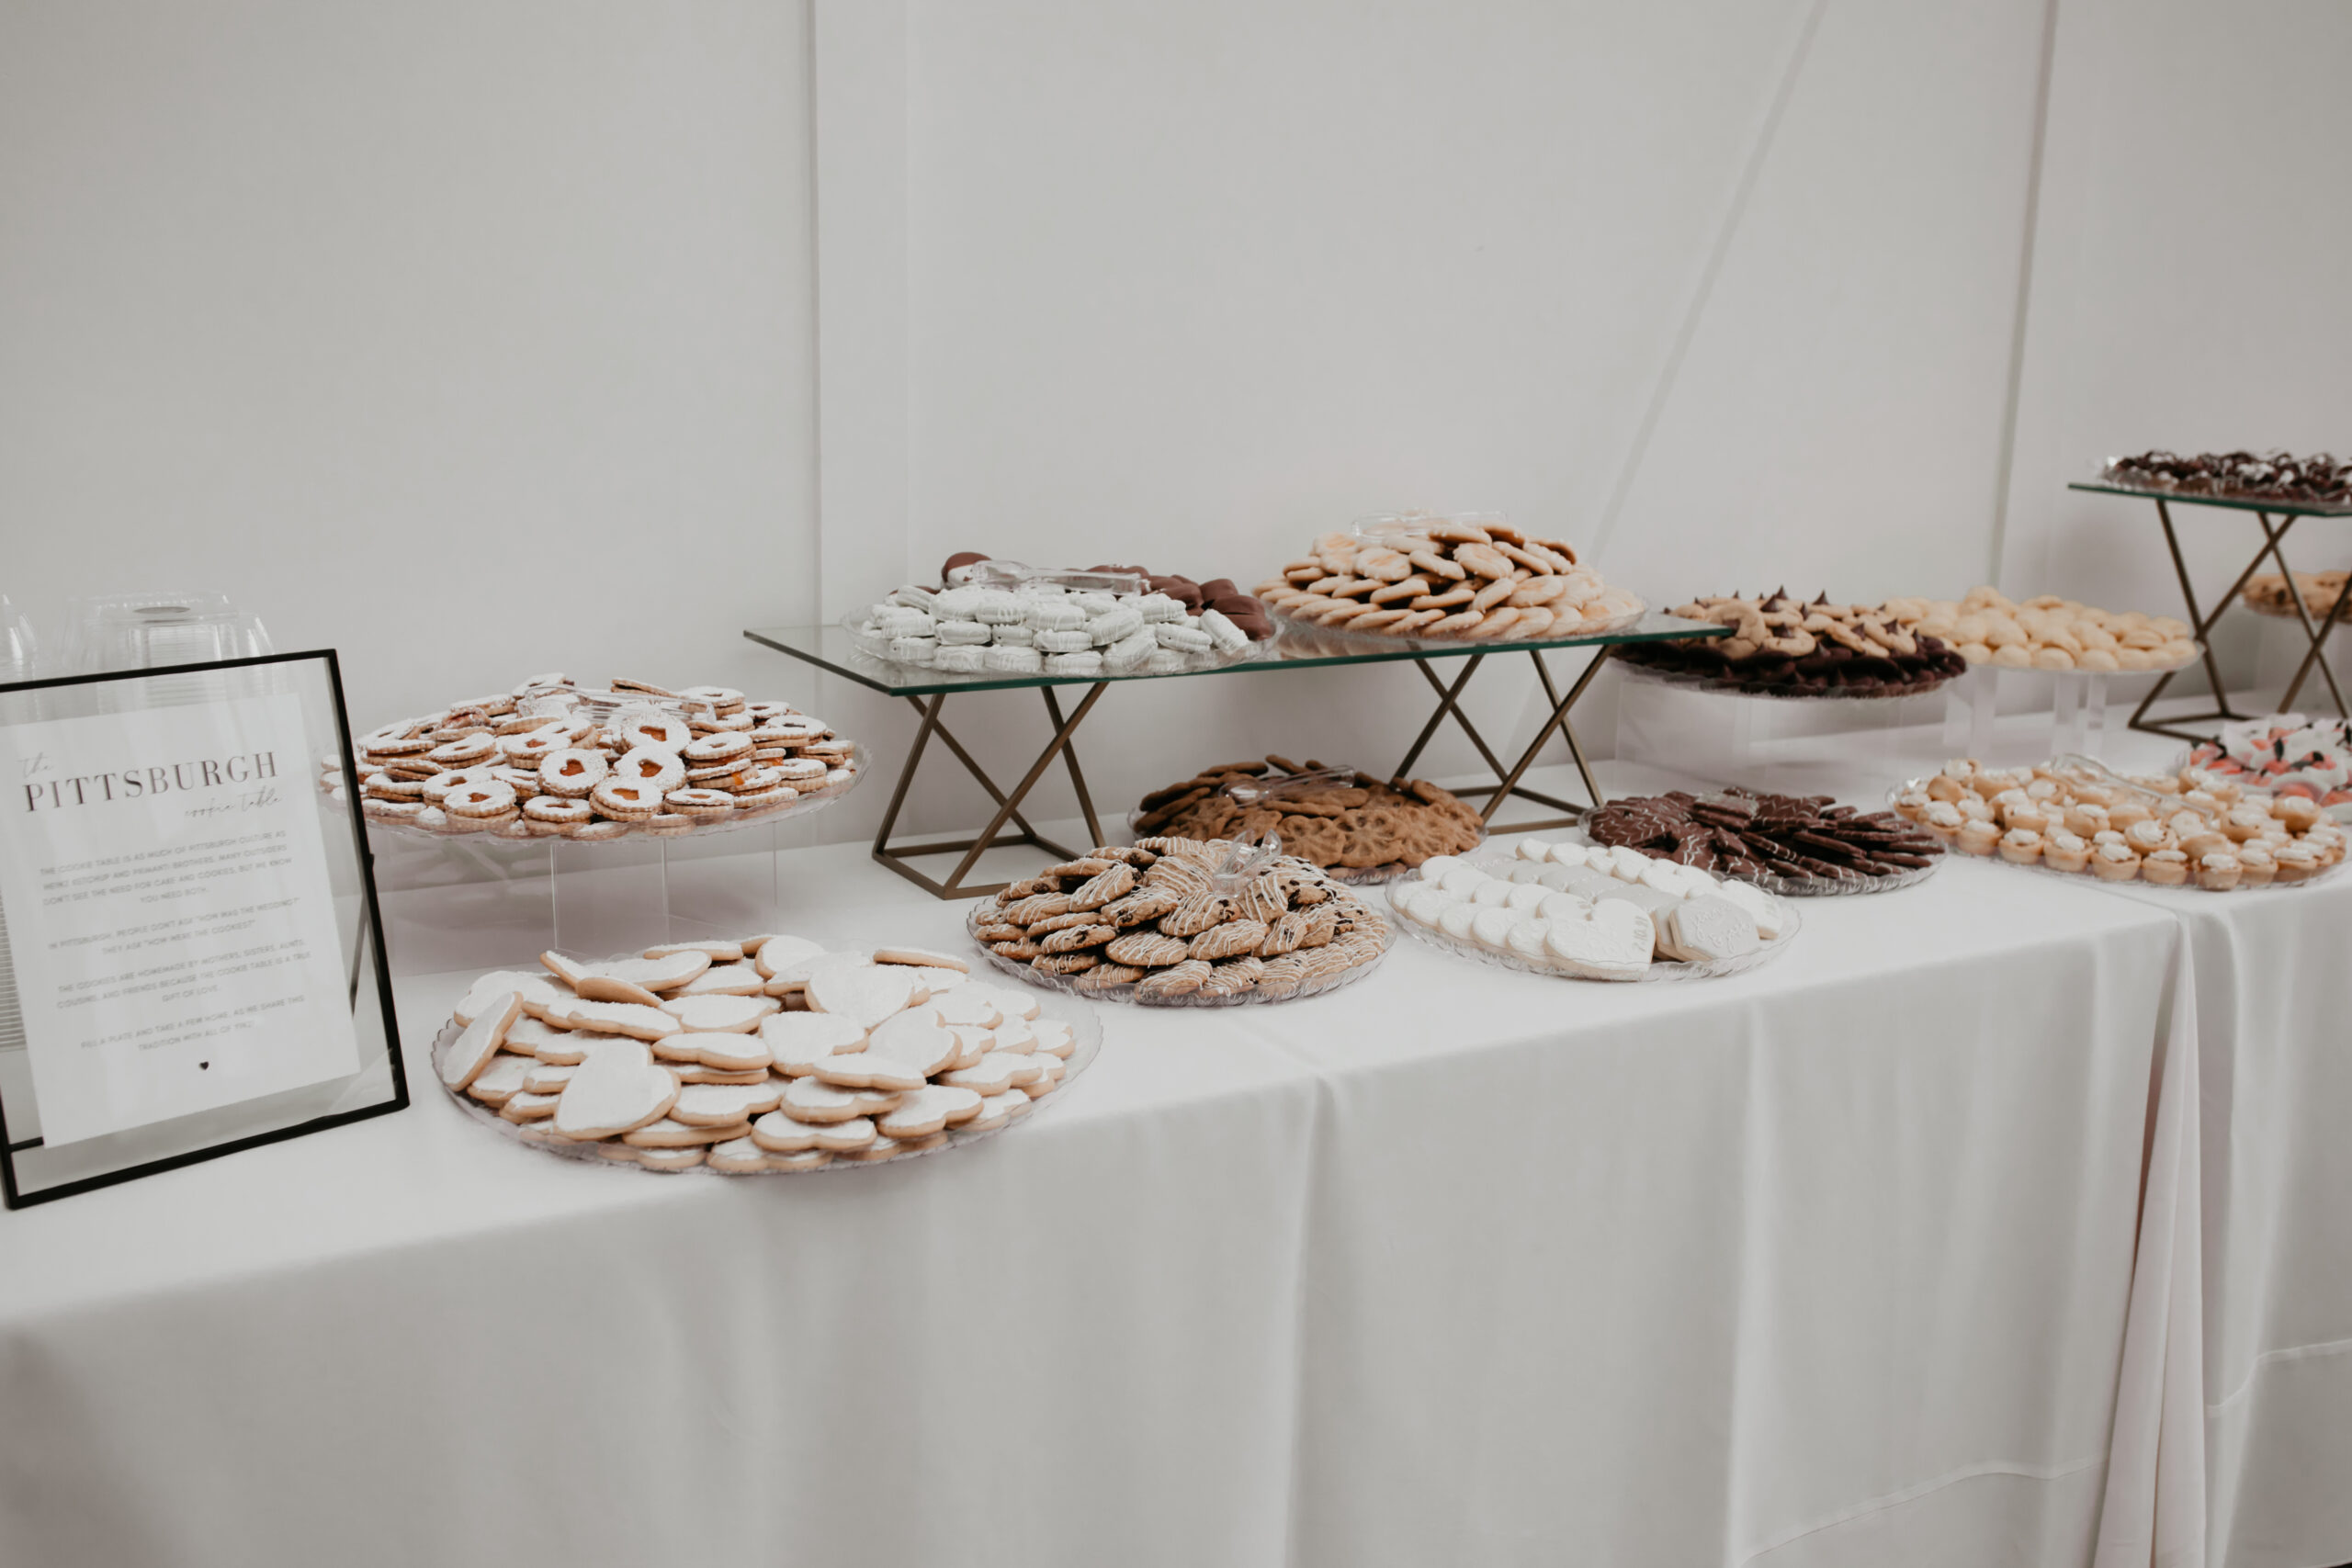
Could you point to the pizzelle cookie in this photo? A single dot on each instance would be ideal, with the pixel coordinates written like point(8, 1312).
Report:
point(744, 1085)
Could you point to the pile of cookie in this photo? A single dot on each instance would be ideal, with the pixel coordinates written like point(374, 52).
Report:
point(2285, 753)
point(2316, 480)
point(2163, 828)
point(765, 1054)
point(1805, 843)
point(2267, 596)
point(1176, 921)
point(2047, 633)
point(970, 568)
point(550, 759)
point(1588, 912)
point(1784, 647)
point(1337, 817)
point(1043, 627)
point(1479, 581)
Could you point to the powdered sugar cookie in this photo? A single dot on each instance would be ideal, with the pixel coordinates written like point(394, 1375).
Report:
point(617, 1090)
point(574, 771)
point(469, 1053)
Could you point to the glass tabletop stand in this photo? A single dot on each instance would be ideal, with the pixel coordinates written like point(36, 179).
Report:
point(831, 648)
point(2274, 535)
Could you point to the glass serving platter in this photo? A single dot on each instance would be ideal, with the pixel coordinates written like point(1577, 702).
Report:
point(1309, 635)
point(1632, 671)
point(1661, 971)
point(1085, 1027)
point(877, 646)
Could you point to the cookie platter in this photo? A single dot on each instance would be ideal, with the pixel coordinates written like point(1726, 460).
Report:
point(2073, 816)
point(1796, 846)
point(552, 761)
point(1083, 623)
point(1183, 922)
point(1577, 911)
point(1361, 829)
point(774, 1055)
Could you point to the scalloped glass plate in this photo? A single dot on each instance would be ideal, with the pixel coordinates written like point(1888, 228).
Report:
point(1661, 971)
point(1085, 1027)
point(1067, 985)
point(2085, 874)
point(803, 806)
point(877, 649)
point(1343, 640)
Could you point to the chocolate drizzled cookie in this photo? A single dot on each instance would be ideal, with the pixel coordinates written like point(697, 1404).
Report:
point(1781, 647)
point(1746, 834)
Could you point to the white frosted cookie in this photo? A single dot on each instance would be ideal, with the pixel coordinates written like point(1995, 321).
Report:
point(1055, 1038)
point(546, 1078)
point(969, 1005)
point(1614, 942)
point(1493, 891)
point(632, 1018)
point(917, 1039)
point(921, 957)
point(698, 1073)
point(541, 993)
point(971, 1044)
point(1053, 1069)
point(597, 988)
point(721, 1105)
point(999, 1071)
point(1455, 921)
point(1524, 895)
point(808, 1099)
point(996, 1109)
point(671, 1133)
point(654, 973)
point(1009, 1003)
point(1534, 849)
point(720, 1015)
point(502, 1079)
point(471, 1051)
point(770, 953)
point(1702, 931)
point(869, 1069)
point(868, 996)
point(563, 967)
point(808, 1161)
point(1770, 919)
point(724, 980)
point(799, 1041)
point(739, 1157)
point(779, 1133)
point(1525, 938)
point(923, 1112)
point(542, 1040)
point(529, 1107)
point(480, 995)
point(1016, 1037)
point(1490, 927)
point(731, 1053)
point(617, 1090)
point(670, 1159)
point(716, 952)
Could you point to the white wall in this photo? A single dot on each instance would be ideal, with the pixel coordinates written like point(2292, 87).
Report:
point(690, 318)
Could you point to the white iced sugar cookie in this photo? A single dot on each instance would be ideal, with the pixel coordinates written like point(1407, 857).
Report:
point(1625, 864)
point(845, 1137)
point(1525, 937)
point(865, 1069)
point(739, 1157)
point(868, 996)
point(542, 1040)
point(1048, 1081)
point(1555, 876)
point(720, 1015)
point(671, 1160)
point(723, 1105)
point(1613, 943)
point(529, 1106)
point(605, 988)
point(547, 1078)
point(775, 952)
point(996, 1109)
point(808, 1099)
point(730, 1052)
point(541, 992)
point(1463, 880)
point(799, 1041)
point(617, 1090)
point(1491, 893)
point(502, 1079)
point(995, 1072)
point(1456, 919)
point(796, 976)
point(482, 992)
point(724, 980)
point(967, 1005)
point(1055, 1038)
point(1770, 919)
point(670, 1133)
point(1014, 1036)
point(1491, 927)
point(1523, 871)
point(937, 982)
point(780, 1134)
point(469, 1053)
point(655, 974)
point(716, 952)
point(871, 1101)
point(1703, 929)
point(1570, 854)
point(565, 968)
point(1564, 906)
point(916, 1040)
point(1534, 849)
point(633, 1018)
point(927, 1110)
point(1011, 1004)
point(1437, 867)
point(1527, 895)
point(971, 1044)
point(1667, 877)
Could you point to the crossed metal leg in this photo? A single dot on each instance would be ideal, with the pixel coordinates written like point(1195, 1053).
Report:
point(2273, 537)
point(1507, 779)
point(1008, 806)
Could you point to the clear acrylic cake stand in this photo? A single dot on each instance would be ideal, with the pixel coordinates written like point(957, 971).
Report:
point(2077, 710)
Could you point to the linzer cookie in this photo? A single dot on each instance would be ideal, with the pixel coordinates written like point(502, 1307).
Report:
point(1781, 647)
point(1344, 820)
point(1473, 578)
point(1171, 921)
point(550, 759)
point(804, 1058)
point(1799, 844)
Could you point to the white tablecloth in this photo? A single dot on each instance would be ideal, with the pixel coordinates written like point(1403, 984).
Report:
point(1827, 1264)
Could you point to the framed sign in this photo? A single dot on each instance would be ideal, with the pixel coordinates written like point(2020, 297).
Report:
point(191, 957)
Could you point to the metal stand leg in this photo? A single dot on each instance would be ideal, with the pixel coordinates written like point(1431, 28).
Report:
point(1007, 805)
point(1507, 779)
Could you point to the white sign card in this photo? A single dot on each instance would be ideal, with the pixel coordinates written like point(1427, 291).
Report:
point(169, 917)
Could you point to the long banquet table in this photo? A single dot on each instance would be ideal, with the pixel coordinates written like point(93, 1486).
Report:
point(1830, 1263)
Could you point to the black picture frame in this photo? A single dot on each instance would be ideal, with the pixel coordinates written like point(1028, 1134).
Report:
point(371, 955)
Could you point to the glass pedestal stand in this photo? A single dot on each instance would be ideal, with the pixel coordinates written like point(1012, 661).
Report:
point(1781, 745)
point(2077, 711)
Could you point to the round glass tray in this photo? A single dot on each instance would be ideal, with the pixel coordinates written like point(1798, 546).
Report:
point(877, 647)
point(1818, 887)
point(1311, 637)
point(2086, 875)
point(1085, 1027)
point(1346, 876)
point(1066, 985)
point(518, 829)
point(1661, 970)
point(1690, 683)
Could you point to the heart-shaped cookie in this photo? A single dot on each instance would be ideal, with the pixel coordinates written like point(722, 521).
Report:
point(867, 1069)
point(1614, 942)
point(916, 1040)
point(502, 1079)
point(724, 980)
point(471, 1052)
point(665, 974)
point(617, 1090)
point(731, 1053)
point(720, 1015)
point(482, 992)
point(566, 969)
point(866, 995)
point(770, 953)
point(716, 952)
point(632, 1018)
point(723, 1105)
point(923, 1112)
point(797, 1042)
point(596, 988)
point(968, 1005)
